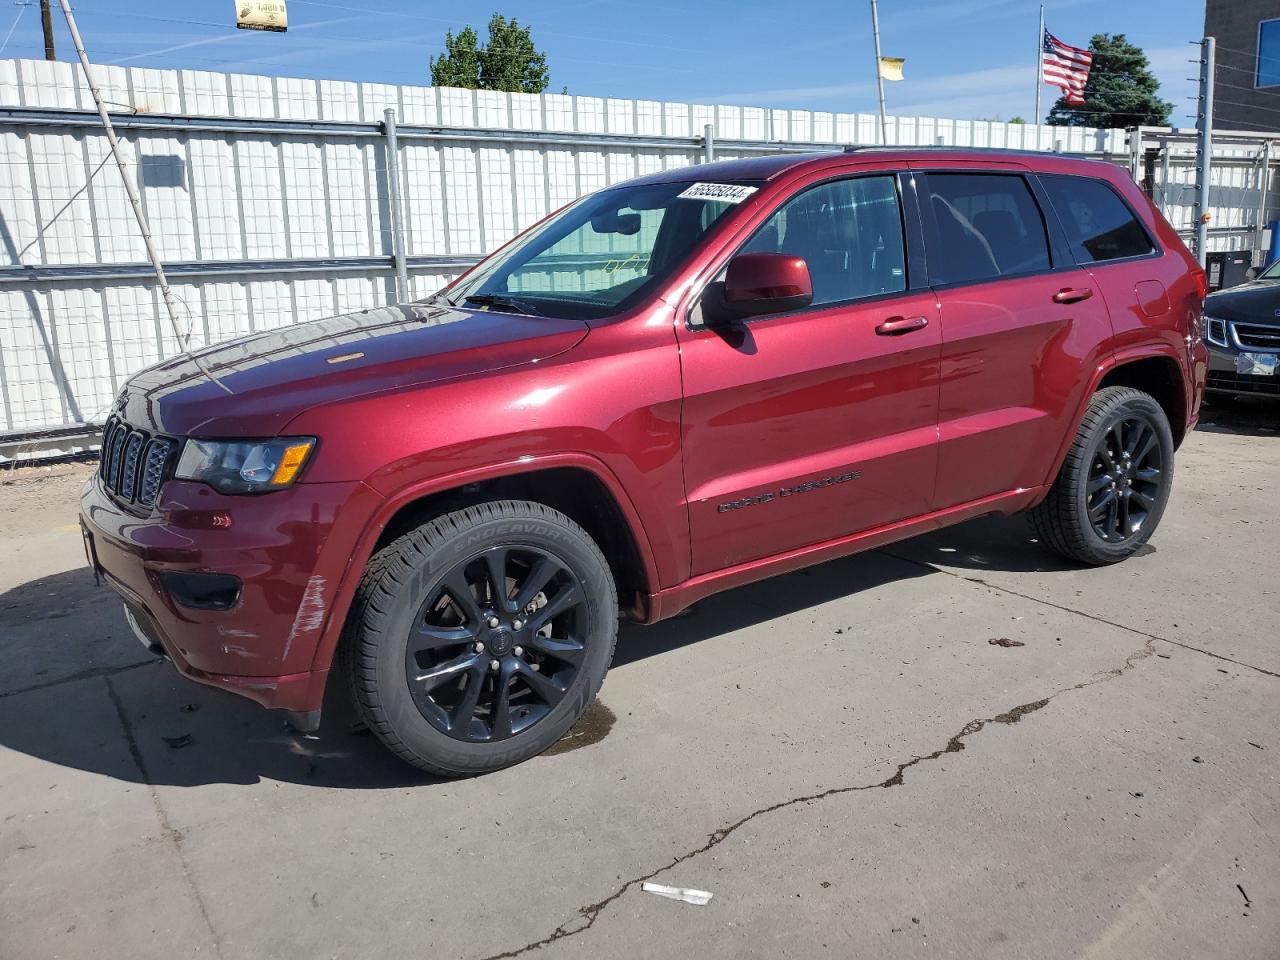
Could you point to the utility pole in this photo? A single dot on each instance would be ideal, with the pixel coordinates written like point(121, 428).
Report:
point(875, 30)
point(1204, 148)
point(46, 21)
point(1039, 64)
point(131, 189)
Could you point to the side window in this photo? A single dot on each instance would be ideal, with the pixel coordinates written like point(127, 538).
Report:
point(849, 233)
point(988, 225)
point(1099, 224)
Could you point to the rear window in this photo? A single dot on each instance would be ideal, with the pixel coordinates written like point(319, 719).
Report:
point(988, 226)
point(1099, 225)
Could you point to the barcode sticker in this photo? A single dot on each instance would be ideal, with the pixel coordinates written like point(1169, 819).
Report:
point(724, 192)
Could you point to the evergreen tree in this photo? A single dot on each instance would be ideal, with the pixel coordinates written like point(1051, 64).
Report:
point(1120, 92)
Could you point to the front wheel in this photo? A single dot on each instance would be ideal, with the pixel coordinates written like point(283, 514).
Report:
point(478, 638)
point(1115, 482)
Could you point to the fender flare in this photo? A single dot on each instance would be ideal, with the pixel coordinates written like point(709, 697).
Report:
point(1146, 351)
point(374, 526)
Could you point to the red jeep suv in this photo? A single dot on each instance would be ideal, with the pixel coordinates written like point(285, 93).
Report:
point(677, 385)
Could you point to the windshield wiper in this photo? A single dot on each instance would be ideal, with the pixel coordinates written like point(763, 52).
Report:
point(500, 301)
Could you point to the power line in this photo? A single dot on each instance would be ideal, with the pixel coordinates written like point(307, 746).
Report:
point(545, 33)
point(22, 8)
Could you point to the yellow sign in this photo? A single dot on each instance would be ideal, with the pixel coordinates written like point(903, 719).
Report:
point(891, 67)
point(262, 15)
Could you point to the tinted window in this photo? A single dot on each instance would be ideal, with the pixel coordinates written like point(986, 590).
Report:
point(849, 233)
point(1268, 54)
point(600, 253)
point(988, 226)
point(1098, 223)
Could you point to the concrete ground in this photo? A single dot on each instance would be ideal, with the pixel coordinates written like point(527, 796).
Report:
point(840, 756)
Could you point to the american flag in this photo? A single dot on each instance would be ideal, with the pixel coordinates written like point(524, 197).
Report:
point(1066, 67)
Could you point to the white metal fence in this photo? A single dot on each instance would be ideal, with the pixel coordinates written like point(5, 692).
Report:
point(270, 201)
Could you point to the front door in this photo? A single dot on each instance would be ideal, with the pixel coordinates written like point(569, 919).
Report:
point(812, 425)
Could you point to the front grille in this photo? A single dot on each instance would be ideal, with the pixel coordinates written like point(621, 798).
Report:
point(1243, 383)
point(1253, 336)
point(135, 464)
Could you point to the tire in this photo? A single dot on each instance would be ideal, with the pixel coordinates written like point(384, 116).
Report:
point(1117, 418)
point(413, 594)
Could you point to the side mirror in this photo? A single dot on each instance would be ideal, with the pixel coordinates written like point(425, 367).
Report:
point(1252, 273)
point(759, 283)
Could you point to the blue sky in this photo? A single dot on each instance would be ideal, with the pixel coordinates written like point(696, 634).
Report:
point(965, 58)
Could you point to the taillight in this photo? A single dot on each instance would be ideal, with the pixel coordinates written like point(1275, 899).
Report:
point(1202, 282)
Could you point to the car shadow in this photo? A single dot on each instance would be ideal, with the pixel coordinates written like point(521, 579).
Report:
point(123, 713)
point(1242, 416)
point(992, 543)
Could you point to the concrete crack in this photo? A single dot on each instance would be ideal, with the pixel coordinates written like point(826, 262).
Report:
point(1080, 613)
point(172, 835)
point(587, 915)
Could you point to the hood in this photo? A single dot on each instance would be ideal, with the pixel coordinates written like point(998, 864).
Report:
point(1257, 301)
point(278, 374)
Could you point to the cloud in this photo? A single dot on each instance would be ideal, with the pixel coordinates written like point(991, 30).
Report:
point(221, 38)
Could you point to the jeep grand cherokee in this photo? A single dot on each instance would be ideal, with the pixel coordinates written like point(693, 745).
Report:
point(679, 384)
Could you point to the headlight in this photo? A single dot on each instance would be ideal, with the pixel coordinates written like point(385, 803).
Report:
point(245, 466)
point(1215, 331)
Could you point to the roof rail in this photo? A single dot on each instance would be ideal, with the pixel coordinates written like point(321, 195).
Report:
point(941, 148)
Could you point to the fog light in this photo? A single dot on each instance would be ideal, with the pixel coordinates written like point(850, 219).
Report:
point(202, 591)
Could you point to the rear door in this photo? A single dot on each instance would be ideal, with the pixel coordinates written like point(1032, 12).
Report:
point(810, 425)
point(1021, 328)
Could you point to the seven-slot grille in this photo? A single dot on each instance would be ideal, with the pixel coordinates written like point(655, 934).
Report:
point(1254, 336)
point(134, 464)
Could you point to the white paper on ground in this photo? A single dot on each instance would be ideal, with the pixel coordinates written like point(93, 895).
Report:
point(698, 898)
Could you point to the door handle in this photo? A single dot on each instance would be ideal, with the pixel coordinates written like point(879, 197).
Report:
point(896, 326)
point(1069, 295)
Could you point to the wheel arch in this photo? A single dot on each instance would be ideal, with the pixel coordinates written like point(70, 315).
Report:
point(581, 487)
point(1158, 375)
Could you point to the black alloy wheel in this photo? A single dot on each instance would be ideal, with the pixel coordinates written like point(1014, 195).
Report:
point(497, 643)
point(477, 638)
point(1125, 479)
point(1114, 483)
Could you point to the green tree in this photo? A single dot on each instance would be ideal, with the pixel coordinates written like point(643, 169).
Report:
point(1120, 92)
point(459, 65)
point(509, 61)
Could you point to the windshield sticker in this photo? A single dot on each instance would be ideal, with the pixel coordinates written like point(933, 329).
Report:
point(724, 192)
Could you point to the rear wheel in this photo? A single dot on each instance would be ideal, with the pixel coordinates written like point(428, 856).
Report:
point(1115, 482)
point(479, 638)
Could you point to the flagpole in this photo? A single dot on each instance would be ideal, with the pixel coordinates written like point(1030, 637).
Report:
point(1039, 63)
point(875, 30)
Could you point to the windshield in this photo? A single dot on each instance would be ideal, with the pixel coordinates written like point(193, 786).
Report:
point(599, 255)
point(1272, 272)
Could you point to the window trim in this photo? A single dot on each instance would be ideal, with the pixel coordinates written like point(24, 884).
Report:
point(1056, 245)
point(1257, 57)
point(1156, 251)
point(912, 241)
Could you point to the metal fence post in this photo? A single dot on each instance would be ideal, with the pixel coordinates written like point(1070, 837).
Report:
point(1264, 187)
point(708, 143)
point(398, 252)
point(1204, 148)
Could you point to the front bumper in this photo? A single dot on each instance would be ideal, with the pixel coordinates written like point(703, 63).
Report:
point(289, 551)
point(1243, 371)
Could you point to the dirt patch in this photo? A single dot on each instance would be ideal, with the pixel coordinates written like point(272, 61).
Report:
point(37, 500)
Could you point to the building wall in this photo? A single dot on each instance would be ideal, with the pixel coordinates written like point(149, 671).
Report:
point(1238, 104)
